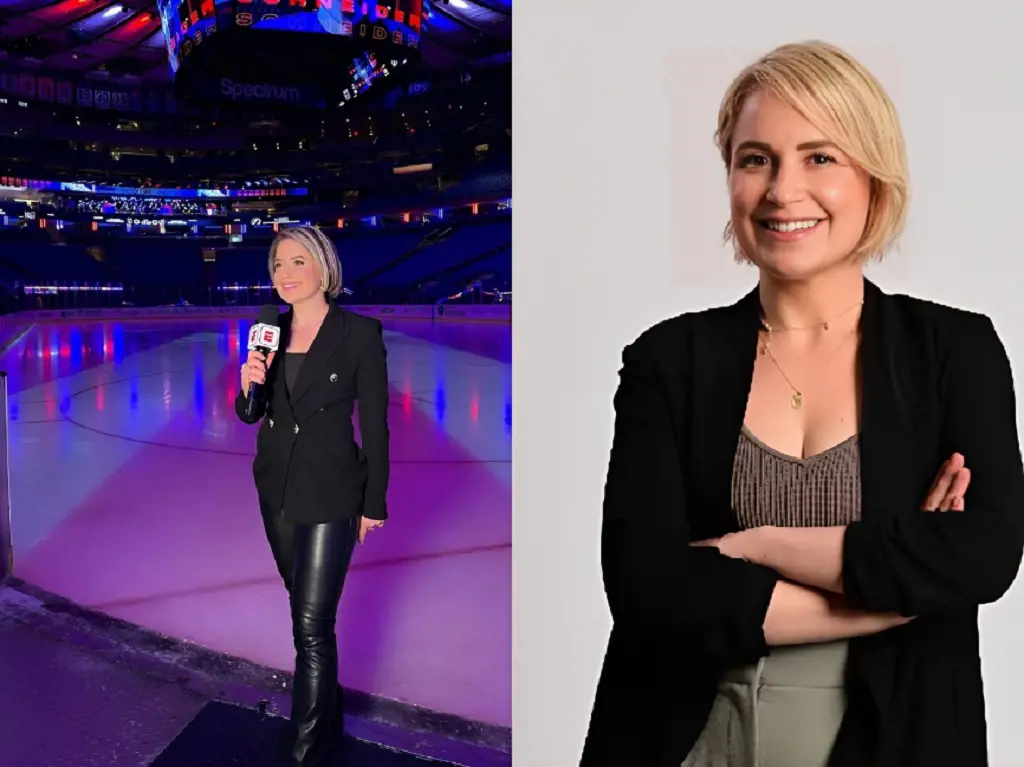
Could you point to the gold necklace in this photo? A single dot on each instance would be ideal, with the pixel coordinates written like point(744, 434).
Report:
point(823, 325)
point(796, 401)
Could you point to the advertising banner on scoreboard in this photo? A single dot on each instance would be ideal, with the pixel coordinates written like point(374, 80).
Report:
point(191, 25)
point(399, 22)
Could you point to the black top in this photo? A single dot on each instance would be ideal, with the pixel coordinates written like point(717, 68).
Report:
point(935, 380)
point(307, 460)
point(292, 366)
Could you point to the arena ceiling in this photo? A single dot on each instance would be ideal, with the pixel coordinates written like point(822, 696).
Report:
point(124, 40)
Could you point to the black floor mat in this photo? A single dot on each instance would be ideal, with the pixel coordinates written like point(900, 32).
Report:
point(223, 735)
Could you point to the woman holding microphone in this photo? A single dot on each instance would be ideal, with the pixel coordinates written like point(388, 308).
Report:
point(319, 491)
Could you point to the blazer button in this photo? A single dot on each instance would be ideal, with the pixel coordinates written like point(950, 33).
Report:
point(334, 378)
point(296, 428)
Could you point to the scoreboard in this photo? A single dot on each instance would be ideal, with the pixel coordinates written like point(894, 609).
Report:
point(388, 27)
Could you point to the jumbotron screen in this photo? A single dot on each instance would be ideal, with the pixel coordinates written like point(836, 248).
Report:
point(403, 19)
point(189, 24)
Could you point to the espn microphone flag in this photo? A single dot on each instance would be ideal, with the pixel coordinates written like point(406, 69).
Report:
point(264, 337)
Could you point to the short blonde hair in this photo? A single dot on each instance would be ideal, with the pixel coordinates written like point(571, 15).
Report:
point(840, 97)
point(320, 248)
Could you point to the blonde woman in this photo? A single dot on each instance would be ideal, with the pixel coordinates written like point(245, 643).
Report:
point(320, 492)
point(791, 554)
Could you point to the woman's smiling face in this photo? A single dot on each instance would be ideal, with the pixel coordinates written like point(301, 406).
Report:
point(297, 277)
point(799, 205)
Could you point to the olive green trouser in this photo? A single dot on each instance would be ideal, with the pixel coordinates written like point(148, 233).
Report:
point(785, 711)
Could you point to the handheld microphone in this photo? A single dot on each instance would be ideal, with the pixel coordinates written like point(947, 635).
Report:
point(264, 337)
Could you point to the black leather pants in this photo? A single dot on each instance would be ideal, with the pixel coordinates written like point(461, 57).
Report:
point(313, 561)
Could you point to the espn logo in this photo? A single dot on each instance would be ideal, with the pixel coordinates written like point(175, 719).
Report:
point(265, 337)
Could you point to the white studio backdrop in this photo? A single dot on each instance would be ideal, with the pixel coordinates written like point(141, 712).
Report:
point(620, 204)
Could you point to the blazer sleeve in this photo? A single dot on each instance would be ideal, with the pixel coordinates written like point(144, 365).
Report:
point(372, 394)
point(932, 563)
point(260, 408)
point(240, 409)
point(656, 584)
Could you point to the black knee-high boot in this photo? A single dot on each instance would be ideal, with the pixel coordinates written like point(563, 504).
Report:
point(321, 558)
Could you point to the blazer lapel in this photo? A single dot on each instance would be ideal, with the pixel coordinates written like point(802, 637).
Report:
point(721, 376)
point(892, 452)
point(890, 442)
point(330, 336)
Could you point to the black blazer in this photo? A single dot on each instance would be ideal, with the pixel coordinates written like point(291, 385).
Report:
point(307, 463)
point(935, 380)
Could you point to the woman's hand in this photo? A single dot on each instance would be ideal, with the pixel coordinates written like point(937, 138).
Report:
point(950, 485)
point(735, 545)
point(255, 369)
point(367, 525)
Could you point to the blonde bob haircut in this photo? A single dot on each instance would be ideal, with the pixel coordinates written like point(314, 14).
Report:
point(320, 249)
point(840, 97)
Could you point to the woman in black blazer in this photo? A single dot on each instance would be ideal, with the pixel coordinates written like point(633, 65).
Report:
point(810, 491)
point(320, 492)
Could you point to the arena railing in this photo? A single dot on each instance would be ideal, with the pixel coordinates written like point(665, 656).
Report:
point(233, 294)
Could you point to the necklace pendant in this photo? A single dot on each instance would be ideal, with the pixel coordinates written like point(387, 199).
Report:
point(797, 400)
